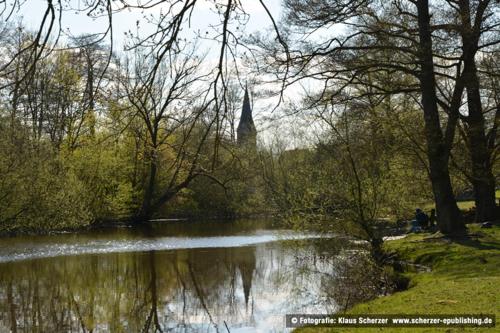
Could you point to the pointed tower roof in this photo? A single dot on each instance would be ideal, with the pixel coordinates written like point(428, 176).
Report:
point(246, 128)
point(246, 112)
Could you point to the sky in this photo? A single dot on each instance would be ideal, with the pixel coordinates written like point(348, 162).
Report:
point(204, 18)
point(74, 23)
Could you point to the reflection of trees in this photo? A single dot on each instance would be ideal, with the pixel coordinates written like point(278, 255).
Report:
point(12, 308)
point(181, 291)
point(153, 314)
point(129, 292)
point(200, 295)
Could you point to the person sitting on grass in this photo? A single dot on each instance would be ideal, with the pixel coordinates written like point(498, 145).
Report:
point(421, 221)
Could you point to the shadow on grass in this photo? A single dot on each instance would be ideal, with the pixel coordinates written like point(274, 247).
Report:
point(472, 241)
point(471, 257)
point(476, 255)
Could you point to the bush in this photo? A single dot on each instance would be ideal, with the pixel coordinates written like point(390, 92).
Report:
point(36, 191)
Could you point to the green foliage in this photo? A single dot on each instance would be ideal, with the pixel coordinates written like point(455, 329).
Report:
point(233, 188)
point(43, 189)
point(298, 184)
point(364, 167)
point(105, 170)
point(38, 192)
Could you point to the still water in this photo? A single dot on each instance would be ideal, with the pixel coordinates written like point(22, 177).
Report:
point(241, 276)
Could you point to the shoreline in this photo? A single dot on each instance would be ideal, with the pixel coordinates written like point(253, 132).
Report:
point(125, 222)
point(462, 276)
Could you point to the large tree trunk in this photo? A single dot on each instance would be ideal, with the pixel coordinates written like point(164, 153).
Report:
point(449, 217)
point(483, 180)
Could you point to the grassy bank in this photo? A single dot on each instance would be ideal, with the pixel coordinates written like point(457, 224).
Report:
point(464, 278)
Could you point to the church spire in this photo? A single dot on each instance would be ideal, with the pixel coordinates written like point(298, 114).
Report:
point(247, 134)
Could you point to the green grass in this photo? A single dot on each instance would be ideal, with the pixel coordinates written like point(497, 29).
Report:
point(465, 205)
point(465, 278)
point(462, 205)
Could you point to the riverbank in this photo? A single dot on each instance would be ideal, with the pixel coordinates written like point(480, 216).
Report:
point(129, 221)
point(463, 277)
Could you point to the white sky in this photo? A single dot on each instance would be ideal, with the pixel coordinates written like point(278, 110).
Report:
point(31, 14)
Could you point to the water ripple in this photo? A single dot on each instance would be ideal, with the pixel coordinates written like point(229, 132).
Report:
point(28, 251)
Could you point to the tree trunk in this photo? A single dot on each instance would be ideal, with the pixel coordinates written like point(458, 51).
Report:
point(483, 180)
point(449, 217)
point(146, 208)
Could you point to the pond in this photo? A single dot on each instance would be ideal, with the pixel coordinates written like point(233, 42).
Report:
point(240, 276)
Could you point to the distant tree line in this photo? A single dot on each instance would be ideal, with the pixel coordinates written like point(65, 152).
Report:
point(406, 91)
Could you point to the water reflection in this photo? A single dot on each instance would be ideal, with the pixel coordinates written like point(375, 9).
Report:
point(246, 288)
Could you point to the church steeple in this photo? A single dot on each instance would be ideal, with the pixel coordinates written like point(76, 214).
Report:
point(247, 134)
